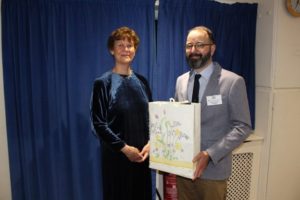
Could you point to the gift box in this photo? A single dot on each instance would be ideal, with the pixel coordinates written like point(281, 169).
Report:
point(174, 136)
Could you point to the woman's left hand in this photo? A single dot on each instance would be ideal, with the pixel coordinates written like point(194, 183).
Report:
point(145, 152)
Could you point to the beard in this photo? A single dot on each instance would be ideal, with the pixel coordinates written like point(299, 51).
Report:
point(200, 62)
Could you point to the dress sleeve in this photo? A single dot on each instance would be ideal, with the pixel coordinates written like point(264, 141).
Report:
point(99, 116)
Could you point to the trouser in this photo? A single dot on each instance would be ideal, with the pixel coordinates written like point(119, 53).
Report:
point(201, 189)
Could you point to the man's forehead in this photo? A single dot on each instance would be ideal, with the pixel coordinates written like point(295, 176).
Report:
point(197, 34)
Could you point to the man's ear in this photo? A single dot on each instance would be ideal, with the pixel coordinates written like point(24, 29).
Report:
point(213, 49)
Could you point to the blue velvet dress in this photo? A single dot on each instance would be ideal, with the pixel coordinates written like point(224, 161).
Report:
point(119, 112)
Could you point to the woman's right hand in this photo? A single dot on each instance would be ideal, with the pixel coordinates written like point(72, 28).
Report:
point(132, 153)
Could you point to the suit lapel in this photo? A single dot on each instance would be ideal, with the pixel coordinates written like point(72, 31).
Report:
point(185, 87)
point(212, 87)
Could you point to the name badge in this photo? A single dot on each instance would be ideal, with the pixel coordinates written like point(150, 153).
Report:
point(214, 100)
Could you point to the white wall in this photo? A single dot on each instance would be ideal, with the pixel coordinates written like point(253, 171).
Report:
point(278, 97)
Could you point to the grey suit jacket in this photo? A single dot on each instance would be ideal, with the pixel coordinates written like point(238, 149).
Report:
point(225, 126)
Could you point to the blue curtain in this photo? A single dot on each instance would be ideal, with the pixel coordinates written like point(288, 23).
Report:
point(54, 49)
point(52, 52)
point(234, 27)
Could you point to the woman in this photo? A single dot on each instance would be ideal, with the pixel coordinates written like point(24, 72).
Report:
point(119, 112)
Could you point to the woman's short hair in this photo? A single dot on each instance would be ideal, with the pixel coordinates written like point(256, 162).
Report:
point(123, 33)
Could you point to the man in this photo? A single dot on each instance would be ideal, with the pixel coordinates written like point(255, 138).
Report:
point(225, 118)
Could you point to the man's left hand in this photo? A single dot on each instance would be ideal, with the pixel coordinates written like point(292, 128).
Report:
point(202, 159)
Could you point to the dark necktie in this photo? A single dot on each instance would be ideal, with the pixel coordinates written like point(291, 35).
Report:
point(195, 97)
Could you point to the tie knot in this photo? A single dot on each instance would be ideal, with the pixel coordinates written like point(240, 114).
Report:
point(197, 76)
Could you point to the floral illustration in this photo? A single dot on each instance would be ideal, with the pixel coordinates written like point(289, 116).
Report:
point(167, 137)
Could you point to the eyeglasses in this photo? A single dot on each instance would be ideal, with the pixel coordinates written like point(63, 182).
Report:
point(198, 46)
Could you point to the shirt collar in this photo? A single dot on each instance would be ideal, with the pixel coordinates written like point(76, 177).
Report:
point(206, 73)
